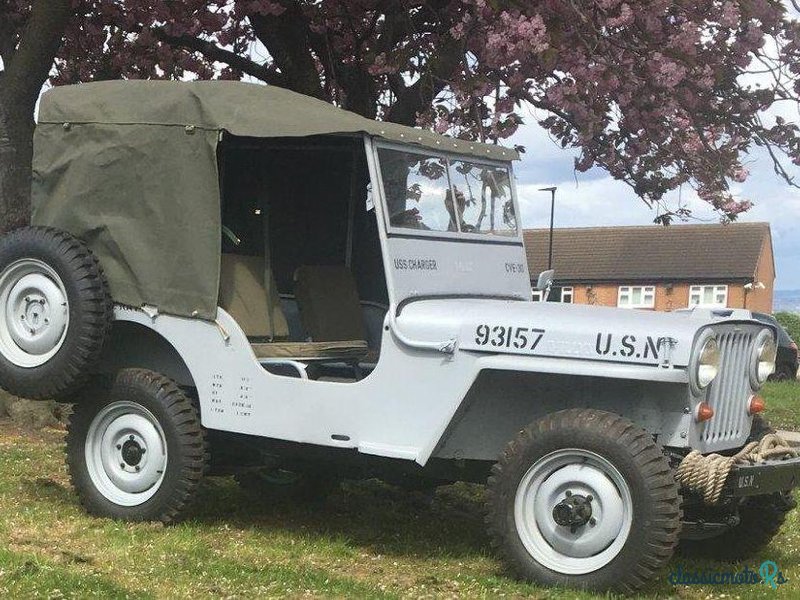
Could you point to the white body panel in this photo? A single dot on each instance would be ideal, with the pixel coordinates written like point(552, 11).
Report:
point(400, 410)
point(420, 267)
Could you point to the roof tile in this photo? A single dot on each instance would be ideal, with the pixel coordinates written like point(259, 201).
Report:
point(651, 253)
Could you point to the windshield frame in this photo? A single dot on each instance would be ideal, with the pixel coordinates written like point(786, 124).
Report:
point(455, 236)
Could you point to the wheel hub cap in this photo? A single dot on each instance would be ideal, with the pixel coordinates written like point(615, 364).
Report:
point(35, 312)
point(573, 511)
point(126, 453)
point(132, 452)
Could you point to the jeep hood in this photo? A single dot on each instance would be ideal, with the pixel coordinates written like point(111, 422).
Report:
point(559, 330)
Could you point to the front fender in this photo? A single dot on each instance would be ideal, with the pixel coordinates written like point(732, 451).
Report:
point(501, 403)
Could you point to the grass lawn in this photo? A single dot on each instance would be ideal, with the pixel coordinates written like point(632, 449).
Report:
point(367, 540)
point(783, 404)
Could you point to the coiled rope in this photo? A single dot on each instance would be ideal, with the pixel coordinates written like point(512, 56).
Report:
point(707, 474)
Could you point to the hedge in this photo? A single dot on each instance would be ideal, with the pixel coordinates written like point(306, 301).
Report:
point(790, 322)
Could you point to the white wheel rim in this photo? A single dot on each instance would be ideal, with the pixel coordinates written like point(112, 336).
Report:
point(590, 546)
point(126, 453)
point(35, 313)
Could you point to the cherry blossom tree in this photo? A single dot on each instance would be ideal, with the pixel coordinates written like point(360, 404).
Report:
point(660, 93)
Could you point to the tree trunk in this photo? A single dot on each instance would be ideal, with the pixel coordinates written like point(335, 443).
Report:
point(26, 68)
point(16, 152)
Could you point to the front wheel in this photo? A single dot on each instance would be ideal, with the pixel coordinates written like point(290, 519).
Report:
point(135, 448)
point(584, 499)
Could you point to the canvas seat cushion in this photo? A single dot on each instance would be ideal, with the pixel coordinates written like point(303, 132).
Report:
point(329, 304)
point(306, 351)
point(255, 306)
point(244, 295)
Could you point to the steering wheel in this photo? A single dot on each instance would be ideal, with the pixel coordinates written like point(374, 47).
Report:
point(230, 241)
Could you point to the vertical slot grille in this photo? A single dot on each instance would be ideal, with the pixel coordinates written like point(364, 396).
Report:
point(729, 393)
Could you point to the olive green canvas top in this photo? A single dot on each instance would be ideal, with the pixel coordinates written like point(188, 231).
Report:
point(131, 168)
point(239, 108)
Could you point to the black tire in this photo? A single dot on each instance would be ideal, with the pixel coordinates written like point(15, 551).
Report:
point(761, 518)
point(655, 500)
point(778, 375)
point(90, 313)
point(184, 437)
point(784, 372)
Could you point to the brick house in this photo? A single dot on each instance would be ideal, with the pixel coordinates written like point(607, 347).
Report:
point(659, 268)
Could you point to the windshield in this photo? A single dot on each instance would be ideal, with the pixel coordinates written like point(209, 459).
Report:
point(425, 192)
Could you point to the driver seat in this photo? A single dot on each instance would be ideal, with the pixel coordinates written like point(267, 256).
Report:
point(256, 307)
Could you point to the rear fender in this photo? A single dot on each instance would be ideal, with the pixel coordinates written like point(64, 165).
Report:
point(133, 345)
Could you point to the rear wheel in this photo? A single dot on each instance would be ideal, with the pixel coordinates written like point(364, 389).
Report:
point(584, 499)
point(55, 312)
point(135, 448)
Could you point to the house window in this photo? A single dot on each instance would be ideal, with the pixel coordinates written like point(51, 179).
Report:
point(708, 296)
point(557, 294)
point(637, 296)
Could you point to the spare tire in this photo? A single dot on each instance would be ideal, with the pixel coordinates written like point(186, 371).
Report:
point(55, 312)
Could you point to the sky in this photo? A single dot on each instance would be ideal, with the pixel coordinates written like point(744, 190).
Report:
point(596, 199)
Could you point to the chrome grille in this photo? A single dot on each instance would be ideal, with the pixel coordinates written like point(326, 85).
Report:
point(730, 392)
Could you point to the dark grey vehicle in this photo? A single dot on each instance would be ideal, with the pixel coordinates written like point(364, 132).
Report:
point(786, 364)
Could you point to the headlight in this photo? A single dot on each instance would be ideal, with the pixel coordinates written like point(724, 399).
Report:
point(707, 363)
point(765, 352)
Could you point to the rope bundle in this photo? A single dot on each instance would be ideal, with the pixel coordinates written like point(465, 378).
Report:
point(707, 474)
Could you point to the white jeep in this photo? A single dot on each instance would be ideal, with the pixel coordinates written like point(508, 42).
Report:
point(231, 278)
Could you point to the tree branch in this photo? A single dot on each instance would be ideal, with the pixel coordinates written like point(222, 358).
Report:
point(286, 39)
point(436, 77)
point(213, 52)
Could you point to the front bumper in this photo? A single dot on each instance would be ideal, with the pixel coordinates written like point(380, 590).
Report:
point(764, 478)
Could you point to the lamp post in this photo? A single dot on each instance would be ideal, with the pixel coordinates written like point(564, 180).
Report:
point(552, 191)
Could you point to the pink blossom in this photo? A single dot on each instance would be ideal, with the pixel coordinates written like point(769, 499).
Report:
point(652, 91)
point(739, 174)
